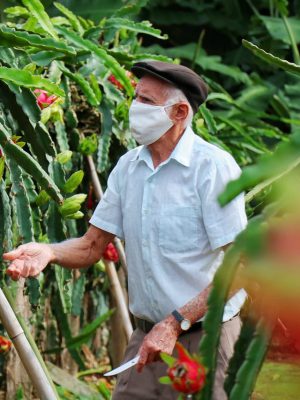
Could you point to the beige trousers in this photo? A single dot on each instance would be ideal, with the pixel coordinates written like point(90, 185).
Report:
point(132, 385)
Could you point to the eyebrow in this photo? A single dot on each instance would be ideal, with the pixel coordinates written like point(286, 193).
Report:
point(145, 96)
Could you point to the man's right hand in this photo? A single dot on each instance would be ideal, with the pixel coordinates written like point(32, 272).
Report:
point(28, 260)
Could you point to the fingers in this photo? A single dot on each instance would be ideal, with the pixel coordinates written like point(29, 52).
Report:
point(22, 268)
point(15, 269)
point(147, 355)
point(142, 361)
point(12, 255)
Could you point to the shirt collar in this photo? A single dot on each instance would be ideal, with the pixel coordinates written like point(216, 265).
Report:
point(182, 152)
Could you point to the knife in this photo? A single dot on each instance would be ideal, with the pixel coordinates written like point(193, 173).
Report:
point(123, 367)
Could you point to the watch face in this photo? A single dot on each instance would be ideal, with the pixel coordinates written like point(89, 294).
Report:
point(185, 324)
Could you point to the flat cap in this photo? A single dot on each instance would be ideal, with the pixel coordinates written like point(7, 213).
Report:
point(180, 76)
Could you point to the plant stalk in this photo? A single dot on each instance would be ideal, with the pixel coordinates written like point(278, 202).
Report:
point(99, 193)
point(290, 32)
point(116, 288)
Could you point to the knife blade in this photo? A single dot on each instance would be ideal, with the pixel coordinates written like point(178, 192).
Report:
point(123, 367)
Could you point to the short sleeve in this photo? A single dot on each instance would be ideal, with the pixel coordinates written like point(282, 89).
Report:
point(108, 214)
point(222, 224)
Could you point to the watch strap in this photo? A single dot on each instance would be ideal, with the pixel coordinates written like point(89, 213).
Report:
point(176, 314)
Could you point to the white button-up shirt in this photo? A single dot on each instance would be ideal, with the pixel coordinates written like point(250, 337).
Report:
point(172, 224)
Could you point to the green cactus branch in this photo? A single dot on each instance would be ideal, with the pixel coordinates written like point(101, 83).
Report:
point(29, 164)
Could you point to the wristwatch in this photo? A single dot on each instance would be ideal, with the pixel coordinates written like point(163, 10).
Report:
point(185, 324)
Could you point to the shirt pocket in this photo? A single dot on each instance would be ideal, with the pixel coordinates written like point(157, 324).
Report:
point(179, 228)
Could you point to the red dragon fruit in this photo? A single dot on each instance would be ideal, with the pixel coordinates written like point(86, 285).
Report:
point(186, 374)
point(110, 253)
point(5, 344)
point(43, 99)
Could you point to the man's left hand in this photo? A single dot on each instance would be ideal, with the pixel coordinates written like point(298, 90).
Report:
point(161, 338)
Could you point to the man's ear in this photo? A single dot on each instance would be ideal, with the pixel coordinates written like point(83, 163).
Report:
point(180, 112)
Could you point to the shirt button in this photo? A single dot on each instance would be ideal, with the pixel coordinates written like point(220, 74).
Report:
point(144, 243)
point(145, 212)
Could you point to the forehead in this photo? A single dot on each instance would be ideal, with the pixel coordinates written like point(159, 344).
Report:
point(152, 86)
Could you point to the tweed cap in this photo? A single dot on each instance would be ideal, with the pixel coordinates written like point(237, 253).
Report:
point(180, 76)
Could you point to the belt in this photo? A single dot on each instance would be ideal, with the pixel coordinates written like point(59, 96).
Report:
point(146, 326)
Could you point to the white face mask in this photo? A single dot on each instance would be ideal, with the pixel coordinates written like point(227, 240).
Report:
point(148, 123)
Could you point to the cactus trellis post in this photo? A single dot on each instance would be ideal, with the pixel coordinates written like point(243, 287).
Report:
point(27, 355)
point(110, 267)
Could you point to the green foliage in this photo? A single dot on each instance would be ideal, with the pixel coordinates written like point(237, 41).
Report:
point(240, 348)
point(248, 371)
point(89, 145)
point(276, 61)
point(26, 79)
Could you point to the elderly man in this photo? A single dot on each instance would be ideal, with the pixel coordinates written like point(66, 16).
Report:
point(161, 199)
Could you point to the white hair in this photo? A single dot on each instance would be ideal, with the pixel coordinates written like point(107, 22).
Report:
point(175, 95)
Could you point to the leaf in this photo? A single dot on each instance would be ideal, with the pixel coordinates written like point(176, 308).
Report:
point(110, 63)
point(64, 283)
point(77, 294)
point(239, 354)
point(169, 360)
point(2, 166)
point(213, 318)
point(209, 119)
point(71, 17)
point(95, 86)
point(36, 8)
point(16, 11)
point(42, 198)
point(44, 58)
point(33, 291)
point(12, 37)
point(248, 371)
point(277, 30)
point(64, 157)
point(26, 79)
point(268, 166)
point(204, 61)
point(271, 59)
point(5, 221)
point(23, 107)
point(140, 27)
point(282, 6)
point(73, 182)
point(29, 164)
point(131, 8)
point(83, 83)
point(165, 380)
point(105, 138)
point(88, 330)
point(88, 145)
point(21, 202)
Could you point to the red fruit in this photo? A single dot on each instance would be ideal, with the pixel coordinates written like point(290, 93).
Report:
point(187, 374)
point(5, 344)
point(43, 100)
point(1, 154)
point(118, 84)
point(115, 82)
point(110, 253)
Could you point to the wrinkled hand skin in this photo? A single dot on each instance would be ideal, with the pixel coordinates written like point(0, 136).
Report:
point(28, 260)
point(161, 338)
